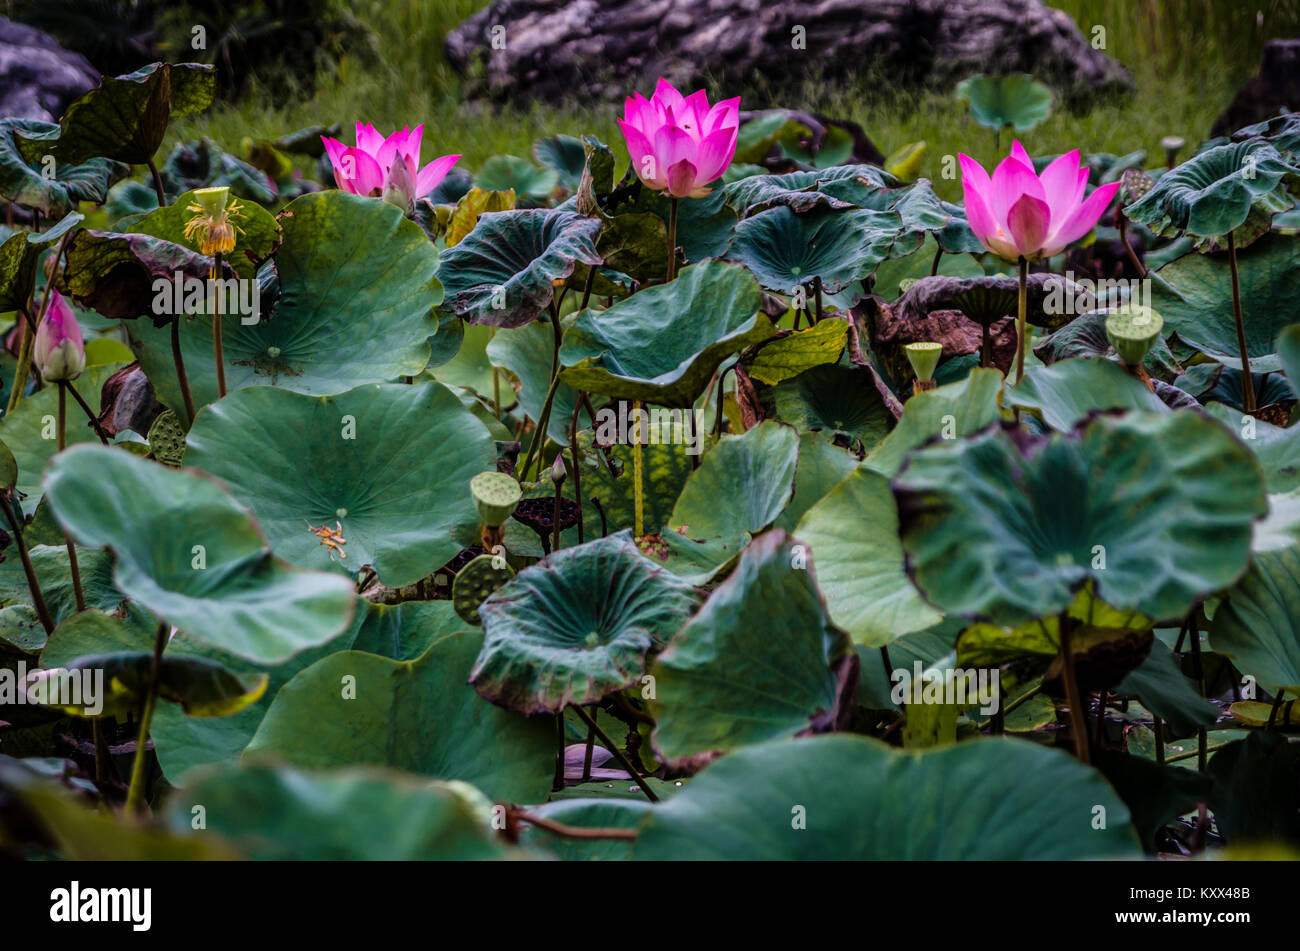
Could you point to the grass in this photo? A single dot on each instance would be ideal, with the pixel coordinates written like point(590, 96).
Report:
point(1187, 58)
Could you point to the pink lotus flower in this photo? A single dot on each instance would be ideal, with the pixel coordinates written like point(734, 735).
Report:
point(58, 349)
point(379, 167)
point(678, 144)
point(1019, 213)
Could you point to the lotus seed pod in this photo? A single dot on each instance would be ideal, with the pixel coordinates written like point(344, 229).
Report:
point(924, 357)
point(475, 582)
point(1132, 331)
point(212, 200)
point(1172, 144)
point(496, 495)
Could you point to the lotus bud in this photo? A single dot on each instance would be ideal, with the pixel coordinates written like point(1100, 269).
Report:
point(1132, 331)
point(559, 471)
point(495, 495)
point(58, 350)
point(924, 357)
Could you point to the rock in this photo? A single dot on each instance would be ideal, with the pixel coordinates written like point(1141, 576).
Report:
point(552, 49)
point(1275, 88)
point(39, 78)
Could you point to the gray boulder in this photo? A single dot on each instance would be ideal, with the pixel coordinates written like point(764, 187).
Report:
point(38, 77)
point(1275, 88)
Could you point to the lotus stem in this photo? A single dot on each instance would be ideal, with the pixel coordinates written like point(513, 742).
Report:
point(558, 781)
point(20, 375)
point(1158, 727)
point(158, 184)
point(218, 354)
point(573, 457)
point(986, 346)
point(574, 832)
point(719, 396)
point(38, 602)
point(1198, 668)
point(539, 434)
point(934, 266)
point(1247, 381)
point(618, 754)
point(181, 377)
point(90, 413)
point(135, 791)
point(62, 443)
point(672, 238)
point(1022, 314)
point(1078, 726)
point(1122, 221)
point(586, 762)
point(638, 491)
point(586, 288)
point(817, 296)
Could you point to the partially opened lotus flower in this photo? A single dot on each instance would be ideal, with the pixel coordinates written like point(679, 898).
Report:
point(1020, 213)
point(386, 167)
point(58, 349)
point(679, 144)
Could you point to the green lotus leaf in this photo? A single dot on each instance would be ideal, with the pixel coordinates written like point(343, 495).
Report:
point(994, 799)
point(1065, 393)
point(704, 225)
point(786, 251)
point(280, 813)
point(115, 273)
point(260, 232)
point(950, 412)
point(1276, 449)
point(192, 555)
point(1253, 792)
point(19, 255)
point(988, 299)
point(785, 357)
point(400, 491)
point(1210, 383)
point(356, 290)
point(853, 536)
point(504, 272)
point(29, 430)
point(1155, 509)
point(833, 400)
point(1258, 627)
point(1288, 350)
point(1217, 191)
point(1283, 131)
point(527, 352)
point(21, 631)
point(45, 183)
point(50, 564)
point(564, 155)
point(957, 236)
point(634, 244)
point(821, 466)
point(897, 274)
point(353, 709)
point(201, 164)
point(586, 813)
point(398, 631)
point(836, 188)
point(716, 686)
point(663, 344)
point(125, 118)
point(1155, 794)
point(577, 627)
point(510, 172)
point(1018, 101)
point(741, 486)
point(1194, 295)
point(1166, 691)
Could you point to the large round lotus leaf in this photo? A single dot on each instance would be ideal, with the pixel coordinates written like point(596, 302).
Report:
point(994, 799)
point(353, 709)
point(29, 431)
point(191, 554)
point(586, 813)
point(894, 274)
point(785, 250)
point(564, 155)
point(662, 345)
point(741, 486)
point(389, 463)
point(50, 564)
point(115, 273)
point(1277, 449)
point(1068, 390)
point(1194, 295)
point(1161, 687)
point(785, 357)
point(949, 412)
point(704, 225)
point(1254, 793)
point(1259, 625)
point(510, 172)
point(716, 686)
point(1217, 191)
point(125, 117)
point(853, 536)
point(838, 187)
point(503, 272)
point(356, 290)
point(284, 814)
point(835, 401)
point(258, 231)
point(996, 102)
point(399, 631)
point(24, 181)
point(821, 467)
point(1155, 509)
point(577, 626)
